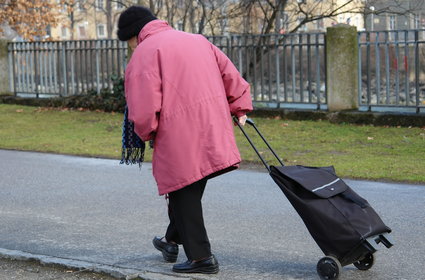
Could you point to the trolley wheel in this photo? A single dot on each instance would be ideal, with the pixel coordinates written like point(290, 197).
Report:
point(328, 268)
point(365, 263)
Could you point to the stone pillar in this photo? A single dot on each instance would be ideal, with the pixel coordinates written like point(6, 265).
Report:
point(4, 68)
point(342, 67)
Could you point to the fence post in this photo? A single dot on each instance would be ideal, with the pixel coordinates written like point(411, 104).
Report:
point(4, 68)
point(342, 67)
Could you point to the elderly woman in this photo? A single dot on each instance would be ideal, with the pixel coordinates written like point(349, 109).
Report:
point(182, 92)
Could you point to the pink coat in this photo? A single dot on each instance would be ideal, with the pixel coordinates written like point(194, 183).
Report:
point(181, 91)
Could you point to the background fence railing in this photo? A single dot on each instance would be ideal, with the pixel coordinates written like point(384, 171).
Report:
point(392, 69)
point(284, 71)
point(65, 68)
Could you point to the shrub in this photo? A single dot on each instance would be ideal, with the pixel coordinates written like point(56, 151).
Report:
point(107, 99)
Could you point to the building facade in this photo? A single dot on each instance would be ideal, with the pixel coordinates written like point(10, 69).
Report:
point(84, 19)
point(395, 15)
point(97, 19)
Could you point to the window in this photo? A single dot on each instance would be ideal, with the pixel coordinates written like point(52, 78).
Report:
point(48, 31)
point(223, 24)
point(260, 27)
point(416, 22)
point(101, 31)
point(119, 5)
point(302, 27)
point(64, 32)
point(62, 6)
point(82, 31)
point(348, 20)
point(282, 23)
point(180, 25)
point(319, 24)
point(80, 5)
point(99, 4)
point(392, 22)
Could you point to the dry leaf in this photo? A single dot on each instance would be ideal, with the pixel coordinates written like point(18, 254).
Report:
point(30, 18)
point(19, 110)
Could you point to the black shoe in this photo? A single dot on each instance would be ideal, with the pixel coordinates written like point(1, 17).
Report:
point(169, 251)
point(207, 266)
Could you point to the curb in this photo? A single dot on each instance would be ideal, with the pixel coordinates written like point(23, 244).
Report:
point(110, 270)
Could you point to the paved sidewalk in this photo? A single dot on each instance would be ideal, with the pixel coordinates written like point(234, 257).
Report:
point(97, 214)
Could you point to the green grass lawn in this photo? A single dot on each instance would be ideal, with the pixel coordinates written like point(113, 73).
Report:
point(366, 152)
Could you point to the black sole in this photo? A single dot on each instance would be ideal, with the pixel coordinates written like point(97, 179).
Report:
point(202, 270)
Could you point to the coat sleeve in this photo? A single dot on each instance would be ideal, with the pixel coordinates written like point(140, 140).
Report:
point(237, 89)
point(144, 98)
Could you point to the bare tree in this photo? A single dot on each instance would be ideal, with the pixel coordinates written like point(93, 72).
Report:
point(265, 13)
point(100, 7)
point(154, 6)
point(70, 7)
point(109, 12)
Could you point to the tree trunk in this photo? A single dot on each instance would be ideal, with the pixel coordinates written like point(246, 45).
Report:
point(72, 19)
point(109, 21)
point(203, 17)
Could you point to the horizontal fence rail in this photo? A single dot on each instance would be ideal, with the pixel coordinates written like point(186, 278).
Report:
point(65, 68)
point(392, 69)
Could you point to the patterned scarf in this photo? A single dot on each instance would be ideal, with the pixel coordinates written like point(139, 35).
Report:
point(133, 148)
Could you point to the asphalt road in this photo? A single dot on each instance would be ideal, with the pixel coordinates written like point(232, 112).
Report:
point(95, 213)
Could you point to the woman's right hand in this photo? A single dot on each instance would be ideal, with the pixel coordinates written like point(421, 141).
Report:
point(242, 119)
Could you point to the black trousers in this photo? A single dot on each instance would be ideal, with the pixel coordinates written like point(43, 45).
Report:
point(186, 221)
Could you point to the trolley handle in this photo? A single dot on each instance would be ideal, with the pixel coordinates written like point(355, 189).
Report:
point(251, 122)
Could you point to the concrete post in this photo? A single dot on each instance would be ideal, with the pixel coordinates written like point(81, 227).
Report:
point(4, 68)
point(342, 67)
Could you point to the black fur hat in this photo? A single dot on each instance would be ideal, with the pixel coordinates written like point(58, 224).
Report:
point(132, 20)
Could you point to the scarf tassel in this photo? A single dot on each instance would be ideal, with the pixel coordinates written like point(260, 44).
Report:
point(132, 156)
point(133, 148)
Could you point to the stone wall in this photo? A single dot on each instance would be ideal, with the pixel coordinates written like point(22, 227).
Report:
point(4, 68)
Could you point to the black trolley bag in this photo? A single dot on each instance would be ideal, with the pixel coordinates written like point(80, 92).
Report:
point(342, 223)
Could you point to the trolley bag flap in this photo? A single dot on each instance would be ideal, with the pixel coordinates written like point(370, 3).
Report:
point(321, 181)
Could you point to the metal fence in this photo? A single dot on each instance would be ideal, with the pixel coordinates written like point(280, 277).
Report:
point(44, 69)
point(283, 70)
point(392, 70)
